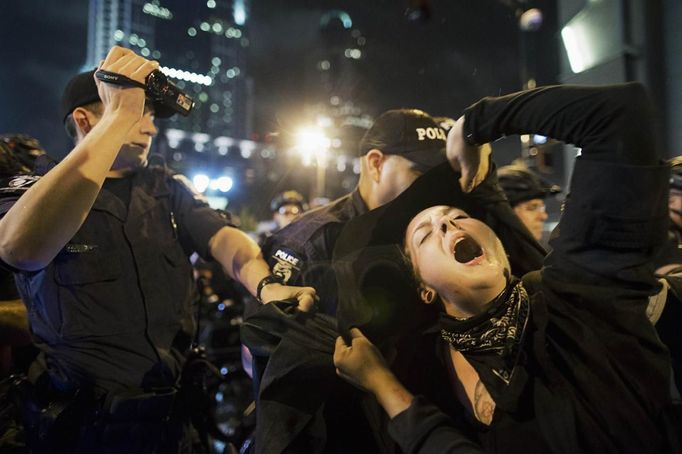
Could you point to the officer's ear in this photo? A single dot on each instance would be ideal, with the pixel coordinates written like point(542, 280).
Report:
point(375, 161)
point(84, 120)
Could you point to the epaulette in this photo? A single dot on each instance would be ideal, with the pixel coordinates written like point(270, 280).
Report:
point(189, 187)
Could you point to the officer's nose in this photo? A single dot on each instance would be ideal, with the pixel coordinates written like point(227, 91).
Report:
point(147, 126)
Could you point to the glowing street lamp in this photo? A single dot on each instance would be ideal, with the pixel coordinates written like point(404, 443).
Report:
point(312, 143)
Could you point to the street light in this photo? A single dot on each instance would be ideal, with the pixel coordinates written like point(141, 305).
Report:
point(312, 143)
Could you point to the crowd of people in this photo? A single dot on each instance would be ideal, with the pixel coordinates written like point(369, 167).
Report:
point(420, 313)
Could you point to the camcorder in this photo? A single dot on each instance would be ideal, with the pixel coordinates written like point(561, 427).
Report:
point(161, 91)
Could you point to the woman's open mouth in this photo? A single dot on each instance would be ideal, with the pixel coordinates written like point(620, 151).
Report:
point(467, 251)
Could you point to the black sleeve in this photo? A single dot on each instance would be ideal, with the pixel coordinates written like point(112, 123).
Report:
point(287, 257)
point(610, 123)
point(11, 189)
point(492, 207)
point(305, 259)
point(615, 215)
point(423, 429)
point(196, 221)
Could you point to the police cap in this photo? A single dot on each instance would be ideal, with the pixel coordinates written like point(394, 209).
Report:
point(289, 197)
point(520, 184)
point(410, 133)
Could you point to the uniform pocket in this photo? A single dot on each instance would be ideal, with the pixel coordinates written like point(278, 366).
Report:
point(86, 264)
point(87, 286)
point(174, 255)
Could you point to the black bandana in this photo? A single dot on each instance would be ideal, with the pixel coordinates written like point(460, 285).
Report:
point(496, 333)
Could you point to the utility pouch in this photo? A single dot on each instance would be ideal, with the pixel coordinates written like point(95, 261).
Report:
point(50, 422)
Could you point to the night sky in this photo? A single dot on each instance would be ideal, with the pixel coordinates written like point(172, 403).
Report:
point(468, 49)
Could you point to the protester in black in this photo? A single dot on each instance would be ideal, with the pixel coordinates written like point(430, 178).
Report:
point(564, 360)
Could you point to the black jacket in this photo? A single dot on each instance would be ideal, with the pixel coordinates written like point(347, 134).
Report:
point(592, 374)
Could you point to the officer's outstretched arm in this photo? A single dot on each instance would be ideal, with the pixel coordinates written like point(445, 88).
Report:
point(242, 259)
point(49, 214)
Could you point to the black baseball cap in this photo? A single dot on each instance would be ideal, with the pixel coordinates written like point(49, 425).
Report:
point(410, 133)
point(82, 90)
point(520, 184)
point(290, 197)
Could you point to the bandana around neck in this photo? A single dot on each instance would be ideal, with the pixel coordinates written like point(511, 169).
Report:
point(498, 330)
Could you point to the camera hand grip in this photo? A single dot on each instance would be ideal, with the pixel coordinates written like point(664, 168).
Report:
point(117, 79)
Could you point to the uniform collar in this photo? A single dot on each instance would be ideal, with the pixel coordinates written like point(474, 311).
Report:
point(359, 205)
point(146, 188)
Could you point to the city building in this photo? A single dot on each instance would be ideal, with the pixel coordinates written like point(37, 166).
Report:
point(201, 47)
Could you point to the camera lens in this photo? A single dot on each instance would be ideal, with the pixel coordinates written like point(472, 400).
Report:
point(157, 83)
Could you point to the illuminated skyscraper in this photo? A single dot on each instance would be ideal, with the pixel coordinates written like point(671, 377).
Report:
point(201, 46)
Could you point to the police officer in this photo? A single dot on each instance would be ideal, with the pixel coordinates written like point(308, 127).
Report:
point(286, 206)
point(399, 147)
point(395, 151)
point(526, 193)
point(99, 246)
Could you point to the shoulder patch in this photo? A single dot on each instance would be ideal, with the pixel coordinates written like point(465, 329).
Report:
point(17, 184)
point(286, 264)
point(187, 185)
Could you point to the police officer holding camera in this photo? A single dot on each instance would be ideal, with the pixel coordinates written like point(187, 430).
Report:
point(99, 246)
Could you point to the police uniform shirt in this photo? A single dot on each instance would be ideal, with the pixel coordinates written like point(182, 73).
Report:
point(301, 253)
point(114, 307)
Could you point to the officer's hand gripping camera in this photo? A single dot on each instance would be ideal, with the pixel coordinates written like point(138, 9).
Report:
point(157, 87)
